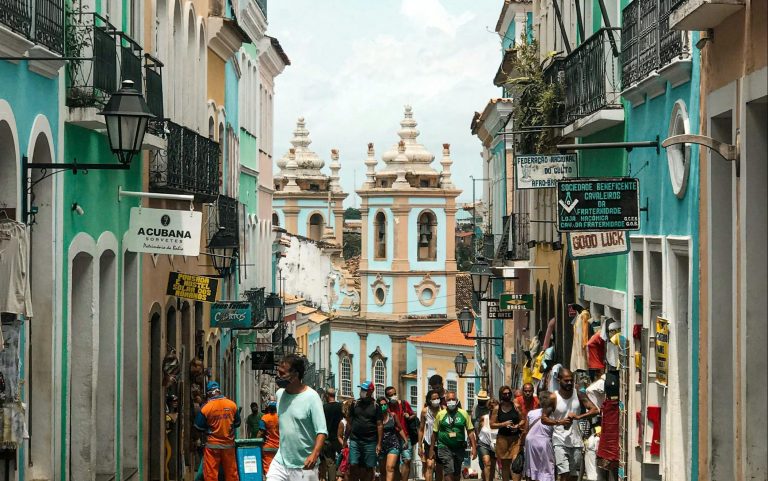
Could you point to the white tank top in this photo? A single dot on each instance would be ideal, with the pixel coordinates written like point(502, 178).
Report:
point(429, 423)
point(562, 436)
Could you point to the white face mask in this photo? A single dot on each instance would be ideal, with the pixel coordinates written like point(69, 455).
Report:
point(435, 403)
point(363, 394)
point(451, 404)
point(393, 398)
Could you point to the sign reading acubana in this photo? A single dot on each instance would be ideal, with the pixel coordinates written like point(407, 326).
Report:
point(162, 231)
point(590, 244)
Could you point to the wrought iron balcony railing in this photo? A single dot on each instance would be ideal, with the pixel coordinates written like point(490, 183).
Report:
point(554, 73)
point(514, 240)
point(223, 222)
point(153, 76)
point(647, 43)
point(592, 76)
point(130, 62)
point(189, 165)
point(43, 24)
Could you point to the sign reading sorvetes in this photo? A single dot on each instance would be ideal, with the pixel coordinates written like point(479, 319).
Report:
point(516, 302)
point(188, 286)
point(542, 171)
point(598, 204)
point(592, 244)
point(495, 313)
point(162, 231)
point(231, 314)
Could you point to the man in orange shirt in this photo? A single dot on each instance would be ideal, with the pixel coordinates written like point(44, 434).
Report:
point(218, 419)
point(527, 400)
point(269, 430)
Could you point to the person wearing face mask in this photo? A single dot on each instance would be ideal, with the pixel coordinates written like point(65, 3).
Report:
point(428, 414)
point(302, 425)
point(508, 419)
point(452, 428)
point(366, 434)
point(218, 419)
point(567, 439)
point(486, 437)
point(394, 438)
point(403, 411)
point(269, 431)
point(527, 400)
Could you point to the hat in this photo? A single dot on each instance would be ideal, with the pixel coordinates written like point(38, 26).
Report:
point(614, 326)
point(272, 404)
point(212, 386)
point(482, 395)
point(366, 386)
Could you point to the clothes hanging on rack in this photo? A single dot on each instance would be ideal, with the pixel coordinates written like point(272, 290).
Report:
point(15, 295)
point(580, 339)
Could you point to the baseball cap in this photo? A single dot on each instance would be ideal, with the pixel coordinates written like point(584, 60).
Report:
point(482, 395)
point(212, 386)
point(366, 386)
point(272, 404)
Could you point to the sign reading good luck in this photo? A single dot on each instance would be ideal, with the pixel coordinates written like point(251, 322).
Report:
point(162, 231)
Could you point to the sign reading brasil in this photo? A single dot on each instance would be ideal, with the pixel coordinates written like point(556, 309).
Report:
point(598, 204)
point(542, 171)
point(231, 314)
point(162, 231)
point(516, 302)
point(188, 286)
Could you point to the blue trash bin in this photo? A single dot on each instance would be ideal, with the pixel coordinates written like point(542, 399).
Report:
point(249, 459)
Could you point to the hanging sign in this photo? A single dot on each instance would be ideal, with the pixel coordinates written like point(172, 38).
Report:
point(516, 302)
point(662, 353)
point(495, 313)
point(162, 231)
point(598, 204)
point(592, 244)
point(543, 171)
point(231, 314)
point(262, 360)
point(189, 286)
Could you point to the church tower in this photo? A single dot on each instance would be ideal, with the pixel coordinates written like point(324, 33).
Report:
point(307, 202)
point(408, 263)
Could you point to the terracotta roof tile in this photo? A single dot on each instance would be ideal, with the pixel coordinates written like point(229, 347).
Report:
point(463, 291)
point(449, 334)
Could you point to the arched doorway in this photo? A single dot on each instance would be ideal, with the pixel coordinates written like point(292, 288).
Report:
point(9, 161)
point(106, 370)
point(316, 226)
point(129, 392)
point(156, 405)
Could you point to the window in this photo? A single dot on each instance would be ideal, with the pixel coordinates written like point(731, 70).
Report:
point(470, 396)
point(380, 239)
point(345, 369)
point(451, 385)
point(413, 393)
point(316, 225)
point(427, 240)
point(379, 377)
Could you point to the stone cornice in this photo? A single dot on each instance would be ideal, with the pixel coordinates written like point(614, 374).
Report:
point(395, 328)
point(254, 23)
point(420, 192)
point(225, 37)
point(281, 194)
point(409, 273)
point(269, 59)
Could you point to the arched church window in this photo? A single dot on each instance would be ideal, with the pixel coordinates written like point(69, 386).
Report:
point(427, 236)
point(379, 376)
point(316, 225)
point(380, 236)
point(345, 370)
point(275, 219)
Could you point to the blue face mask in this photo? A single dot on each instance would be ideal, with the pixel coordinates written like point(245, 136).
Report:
point(282, 382)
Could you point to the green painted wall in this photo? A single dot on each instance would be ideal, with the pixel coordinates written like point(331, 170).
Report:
point(249, 150)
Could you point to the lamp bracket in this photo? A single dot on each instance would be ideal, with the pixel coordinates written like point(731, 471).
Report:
point(730, 152)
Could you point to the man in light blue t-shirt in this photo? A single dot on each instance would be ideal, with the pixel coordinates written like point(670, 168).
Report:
point(302, 425)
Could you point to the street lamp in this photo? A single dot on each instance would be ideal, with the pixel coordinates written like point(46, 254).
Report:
point(466, 321)
point(460, 364)
point(481, 276)
point(289, 344)
point(223, 247)
point(126, 115)
point(273, 309)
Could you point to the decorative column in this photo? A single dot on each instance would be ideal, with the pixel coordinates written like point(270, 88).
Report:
point(363, 356)
point(335, 167)
point(399, 363)
point(446, 162)
point(290, 172)
point(401, 159)
point(370, 163)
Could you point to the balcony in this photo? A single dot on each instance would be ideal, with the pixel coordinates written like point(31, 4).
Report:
point(702, 14)
point(514, 240)
point(592, 79)
point(189, 164)
point(555, 73)
point(256, 298)
point(651, 53)
point(34, 28)
point(223, 223)
point(155, 139)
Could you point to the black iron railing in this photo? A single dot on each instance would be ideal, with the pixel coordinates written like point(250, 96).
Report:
point(189, 164)
point(554, 73)
point(591, 76)
point(92, 81)
point(514, 240)
point(130, 62)
point(49, 24)
point(227, 220)
point(262, 4)
point(647, 42)
point(256, 298)
point(17, 15)
point(153, 78)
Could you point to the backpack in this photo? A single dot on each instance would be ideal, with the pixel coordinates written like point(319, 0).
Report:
point(413, 429)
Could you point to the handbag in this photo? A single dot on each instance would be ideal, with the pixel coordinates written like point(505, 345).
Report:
point(518, 464)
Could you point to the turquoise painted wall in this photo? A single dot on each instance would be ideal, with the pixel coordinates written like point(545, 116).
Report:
point(249, 150)
point(413, 236)
point(351, 341)
point(411, 361)
point(249, 193)
point(608, 271)
point(440, 306)
point(374, 308)
point(384, 343)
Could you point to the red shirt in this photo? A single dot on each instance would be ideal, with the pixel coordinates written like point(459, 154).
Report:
point(527, 406)
point(596, 352)
point(399, 411)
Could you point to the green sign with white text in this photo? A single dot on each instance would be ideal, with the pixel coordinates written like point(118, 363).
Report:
point(516, 302)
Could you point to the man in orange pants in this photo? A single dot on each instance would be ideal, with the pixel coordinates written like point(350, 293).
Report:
point(218, 419)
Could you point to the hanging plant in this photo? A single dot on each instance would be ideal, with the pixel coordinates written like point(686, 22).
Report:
point(538, 99)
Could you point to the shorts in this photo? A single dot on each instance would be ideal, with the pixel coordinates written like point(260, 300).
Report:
point(362, 453)
point(568, 460)
point(426, 450)
point(278, 472)
point(483, 450)
point(393, 450)
point(406, 452)
point(450, 460)
point(508, 447)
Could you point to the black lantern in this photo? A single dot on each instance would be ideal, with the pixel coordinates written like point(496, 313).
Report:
point(466, 320)
point(481, 276)
point(273, 309)
point(126, 115)
point(289, 344)
point(223, 251)
point(460, 363)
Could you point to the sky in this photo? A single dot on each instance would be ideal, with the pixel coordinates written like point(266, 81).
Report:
point(356, 63)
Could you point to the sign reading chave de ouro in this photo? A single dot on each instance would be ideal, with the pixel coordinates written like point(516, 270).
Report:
point(162, 231)
point(189, 286)
point(592, 244)
point(231, 314)
point(542, 171)
point(598, 204)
